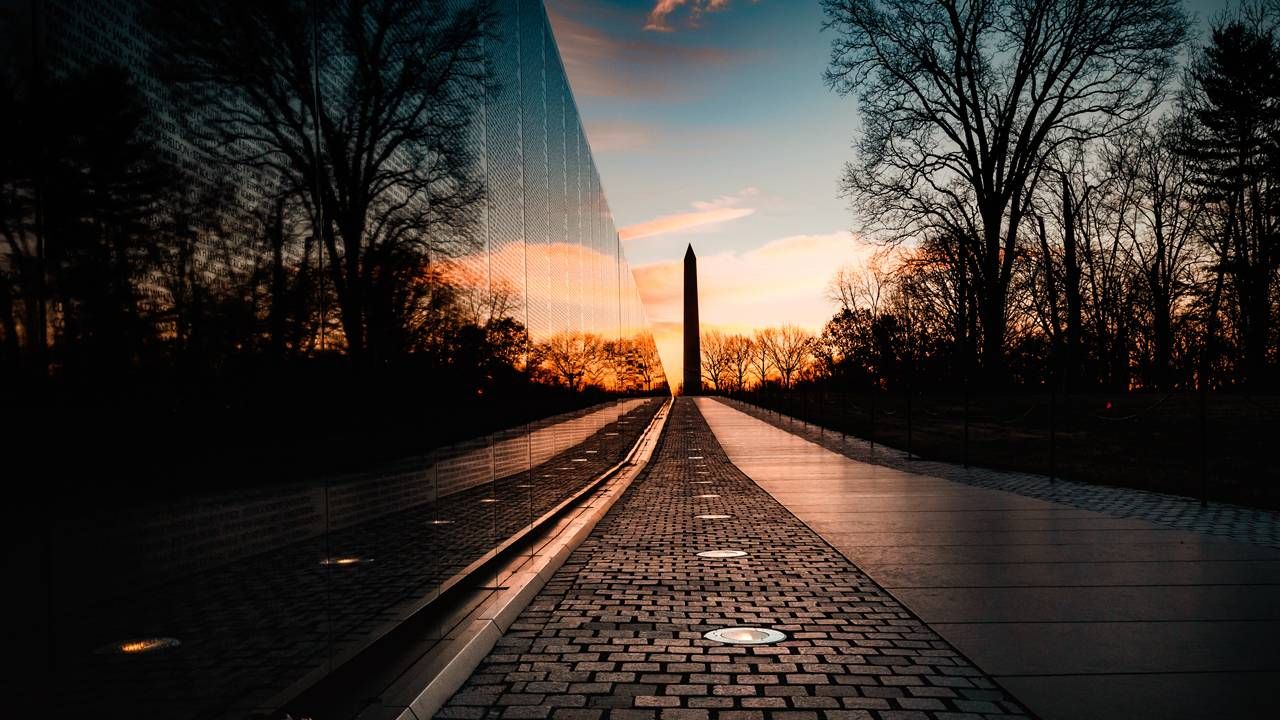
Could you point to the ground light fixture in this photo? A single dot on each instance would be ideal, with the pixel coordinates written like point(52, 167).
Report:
point(488, 500)
point(139, 646)
point(695, 457)
point(713, 517)
point(746, 636)
point(346, 560)
point(707, 496)
point(722, 554)
point(441, 522)
point(699, 482)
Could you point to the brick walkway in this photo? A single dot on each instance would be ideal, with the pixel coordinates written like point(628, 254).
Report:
point(618, 632)
point(1239, 523)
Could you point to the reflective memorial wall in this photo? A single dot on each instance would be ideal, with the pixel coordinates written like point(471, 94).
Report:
point(305, 308)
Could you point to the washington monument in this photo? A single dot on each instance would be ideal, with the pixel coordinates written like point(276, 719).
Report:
point(692, 345)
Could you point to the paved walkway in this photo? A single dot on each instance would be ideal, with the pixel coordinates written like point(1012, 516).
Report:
point(1078, 613)
point(618, 632)
point(1244, 524)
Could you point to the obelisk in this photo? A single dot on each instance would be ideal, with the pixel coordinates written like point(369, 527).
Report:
point(692, 343)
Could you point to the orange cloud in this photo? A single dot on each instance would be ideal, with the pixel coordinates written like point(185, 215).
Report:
point(657, 20)
point(781, 282)
point(601, 62)
point(560, 276)
point(706, 212)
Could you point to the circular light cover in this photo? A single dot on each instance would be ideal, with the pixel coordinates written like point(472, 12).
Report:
point(746, 636)
point(722, 554)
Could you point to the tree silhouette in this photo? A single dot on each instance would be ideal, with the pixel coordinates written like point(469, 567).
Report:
point(1235, 151)
point(962, 102)
point(363, 107)
point(574, 358)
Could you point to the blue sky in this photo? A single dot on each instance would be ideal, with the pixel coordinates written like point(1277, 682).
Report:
point(711, 125)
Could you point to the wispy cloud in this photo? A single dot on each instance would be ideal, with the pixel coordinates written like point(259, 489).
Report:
point(657, 21)
point(611, 58)
point(705, 213)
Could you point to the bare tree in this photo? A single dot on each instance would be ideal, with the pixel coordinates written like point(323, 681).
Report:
point(761, 363)
point(1164, 240)
point(790, 349)
point(715, 359)
point(961, 103)
point(740, 351)
point(573, 358)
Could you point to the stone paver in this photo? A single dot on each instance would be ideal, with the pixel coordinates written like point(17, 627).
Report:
point(618, 632)
point(1078, 613)
point(1243, 524)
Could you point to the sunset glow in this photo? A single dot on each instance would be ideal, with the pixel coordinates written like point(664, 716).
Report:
point(711, 126)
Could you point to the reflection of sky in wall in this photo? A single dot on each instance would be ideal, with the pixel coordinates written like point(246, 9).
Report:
point(711, 125)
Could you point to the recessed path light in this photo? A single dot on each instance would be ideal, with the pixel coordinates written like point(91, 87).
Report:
point(713, 517)
point(722, 554)
point(746, 636)
point(489, 500)
point(706, 496)
point(139, 646)
point(579, 460)
point(699, 482)
point(695, 457)
point(524, 485)
point(345, 561)
point(441, 522)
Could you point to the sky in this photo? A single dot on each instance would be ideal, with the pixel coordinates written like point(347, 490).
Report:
point(711, 125)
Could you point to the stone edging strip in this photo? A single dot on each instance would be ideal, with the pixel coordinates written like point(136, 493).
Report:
point(451, 662)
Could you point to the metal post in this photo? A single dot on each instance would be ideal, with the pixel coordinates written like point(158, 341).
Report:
point(909, 428)
point(871, 434)
point(822, 413)
point(1204, 443)
point(1053, 430)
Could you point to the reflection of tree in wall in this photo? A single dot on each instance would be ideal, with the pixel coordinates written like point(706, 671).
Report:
point(362, 109)
point(78, 268)
point(572, 358)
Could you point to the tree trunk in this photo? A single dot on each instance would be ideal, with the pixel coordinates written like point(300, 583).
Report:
point(278, 294)
point(1162, 331)
point(1071, 287)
